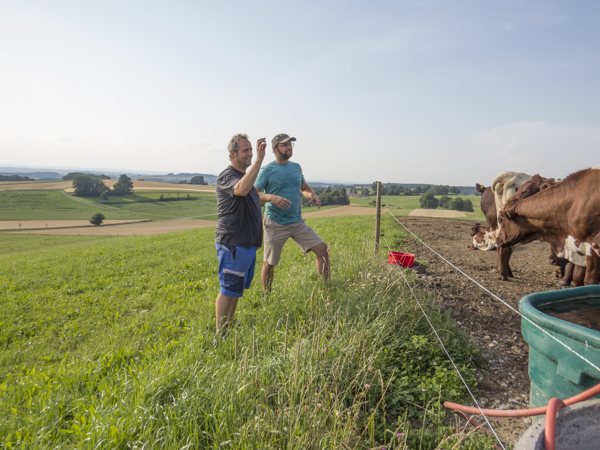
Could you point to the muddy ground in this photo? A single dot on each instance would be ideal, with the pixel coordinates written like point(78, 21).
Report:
point(491, 324)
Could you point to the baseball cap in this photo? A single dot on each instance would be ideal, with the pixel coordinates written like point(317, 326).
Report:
point(281, 138)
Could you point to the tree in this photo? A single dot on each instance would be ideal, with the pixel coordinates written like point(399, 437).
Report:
point(87, 186)
point(458, 204)
point(198, 179)
point(104, 196)
point(123, 186)
point(445, 201)
point(72, 175)
point(97, 219)
point(468, 205)
point(428, 201)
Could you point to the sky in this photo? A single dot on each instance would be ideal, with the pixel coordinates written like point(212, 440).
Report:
point(439, 92)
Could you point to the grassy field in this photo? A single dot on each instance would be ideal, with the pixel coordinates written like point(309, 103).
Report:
point(10, 244)
point(408, 203)
point(53, 205)
point(107, 344)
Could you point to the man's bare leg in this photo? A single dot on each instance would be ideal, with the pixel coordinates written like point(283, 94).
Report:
point(322, 261)
point(266, 276)
point(225, 309)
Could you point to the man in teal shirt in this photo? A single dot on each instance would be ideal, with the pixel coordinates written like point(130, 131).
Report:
point(280, 184)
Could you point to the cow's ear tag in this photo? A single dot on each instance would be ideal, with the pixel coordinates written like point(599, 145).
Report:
point(507, 215)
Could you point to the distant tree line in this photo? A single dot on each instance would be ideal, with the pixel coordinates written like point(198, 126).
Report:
point(329, 196)
point(398, 189)
point(72, 175)
point(428, 201)
point(15, 178)
point(86, 185)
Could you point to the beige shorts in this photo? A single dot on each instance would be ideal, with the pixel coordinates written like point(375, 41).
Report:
point(276, 235)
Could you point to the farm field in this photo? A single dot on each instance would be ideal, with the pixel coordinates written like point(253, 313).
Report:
point(54, 205)
point(144, 228)
point(110, 343)
point(68, 185)
point(408, 203)
point(18, 225)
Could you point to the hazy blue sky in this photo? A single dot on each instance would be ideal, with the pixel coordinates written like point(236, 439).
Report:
point(444, 92)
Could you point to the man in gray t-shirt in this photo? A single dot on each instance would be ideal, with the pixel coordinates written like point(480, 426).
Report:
point(239, 229)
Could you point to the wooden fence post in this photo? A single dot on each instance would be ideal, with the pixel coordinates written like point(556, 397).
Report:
point(378, 218)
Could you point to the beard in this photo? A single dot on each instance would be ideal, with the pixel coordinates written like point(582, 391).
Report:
point(281, 156)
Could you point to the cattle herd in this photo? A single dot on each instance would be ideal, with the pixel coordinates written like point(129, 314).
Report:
point(521, 208)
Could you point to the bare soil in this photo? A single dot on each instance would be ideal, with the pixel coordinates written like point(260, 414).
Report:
point(436, 213)
point(131, 229)
point(492, 325)
point(15, 225)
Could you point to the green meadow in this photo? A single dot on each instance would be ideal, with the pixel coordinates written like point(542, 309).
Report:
point(108, 344)
point(54, 205)
point(10, 243)
point(406, 204)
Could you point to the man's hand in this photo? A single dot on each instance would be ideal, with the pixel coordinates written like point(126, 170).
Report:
point(261, 146)
point(280, 202)
point(315, 198)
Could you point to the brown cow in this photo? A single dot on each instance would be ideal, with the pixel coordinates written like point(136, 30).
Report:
point(568, 208)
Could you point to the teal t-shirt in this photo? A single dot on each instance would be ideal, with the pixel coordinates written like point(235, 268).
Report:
point(283, 180)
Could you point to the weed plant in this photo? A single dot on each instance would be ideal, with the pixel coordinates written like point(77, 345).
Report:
point(108, 344)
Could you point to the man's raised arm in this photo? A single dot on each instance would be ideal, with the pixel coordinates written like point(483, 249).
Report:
point(247, 181)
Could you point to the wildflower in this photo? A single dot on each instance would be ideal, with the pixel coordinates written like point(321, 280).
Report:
point(367, 386)
point(331, 395)
point(319, 406)
point(399, 435)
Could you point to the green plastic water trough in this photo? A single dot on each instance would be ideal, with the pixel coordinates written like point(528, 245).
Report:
point(554, 370)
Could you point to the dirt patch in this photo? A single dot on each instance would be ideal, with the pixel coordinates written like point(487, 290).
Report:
point(344, 211)
point(436, 213)
point(32, 186)
point(133, 229)
point(491, 324)
point(13, 225)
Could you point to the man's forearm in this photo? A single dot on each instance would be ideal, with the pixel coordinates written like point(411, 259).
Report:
point(307, 191)
point(264, 198)
point(247, 181)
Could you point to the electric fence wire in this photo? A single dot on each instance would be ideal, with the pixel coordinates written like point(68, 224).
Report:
point(445, 350)
point(498, 298)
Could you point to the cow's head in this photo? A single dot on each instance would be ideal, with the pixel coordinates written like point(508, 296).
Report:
point(477, 228)
point(515, 229)
point(531, 187)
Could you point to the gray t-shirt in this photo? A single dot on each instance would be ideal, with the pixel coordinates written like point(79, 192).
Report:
point(239, 219)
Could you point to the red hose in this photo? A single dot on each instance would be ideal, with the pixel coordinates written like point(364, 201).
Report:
point(585, 395)
point(550, 410)
point(550, 429)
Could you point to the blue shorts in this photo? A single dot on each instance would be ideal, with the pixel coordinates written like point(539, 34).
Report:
point(236, 268)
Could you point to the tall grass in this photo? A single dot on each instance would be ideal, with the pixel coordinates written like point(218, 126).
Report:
point(109, 345)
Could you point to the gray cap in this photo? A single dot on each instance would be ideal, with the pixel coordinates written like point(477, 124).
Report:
point(281, 138)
